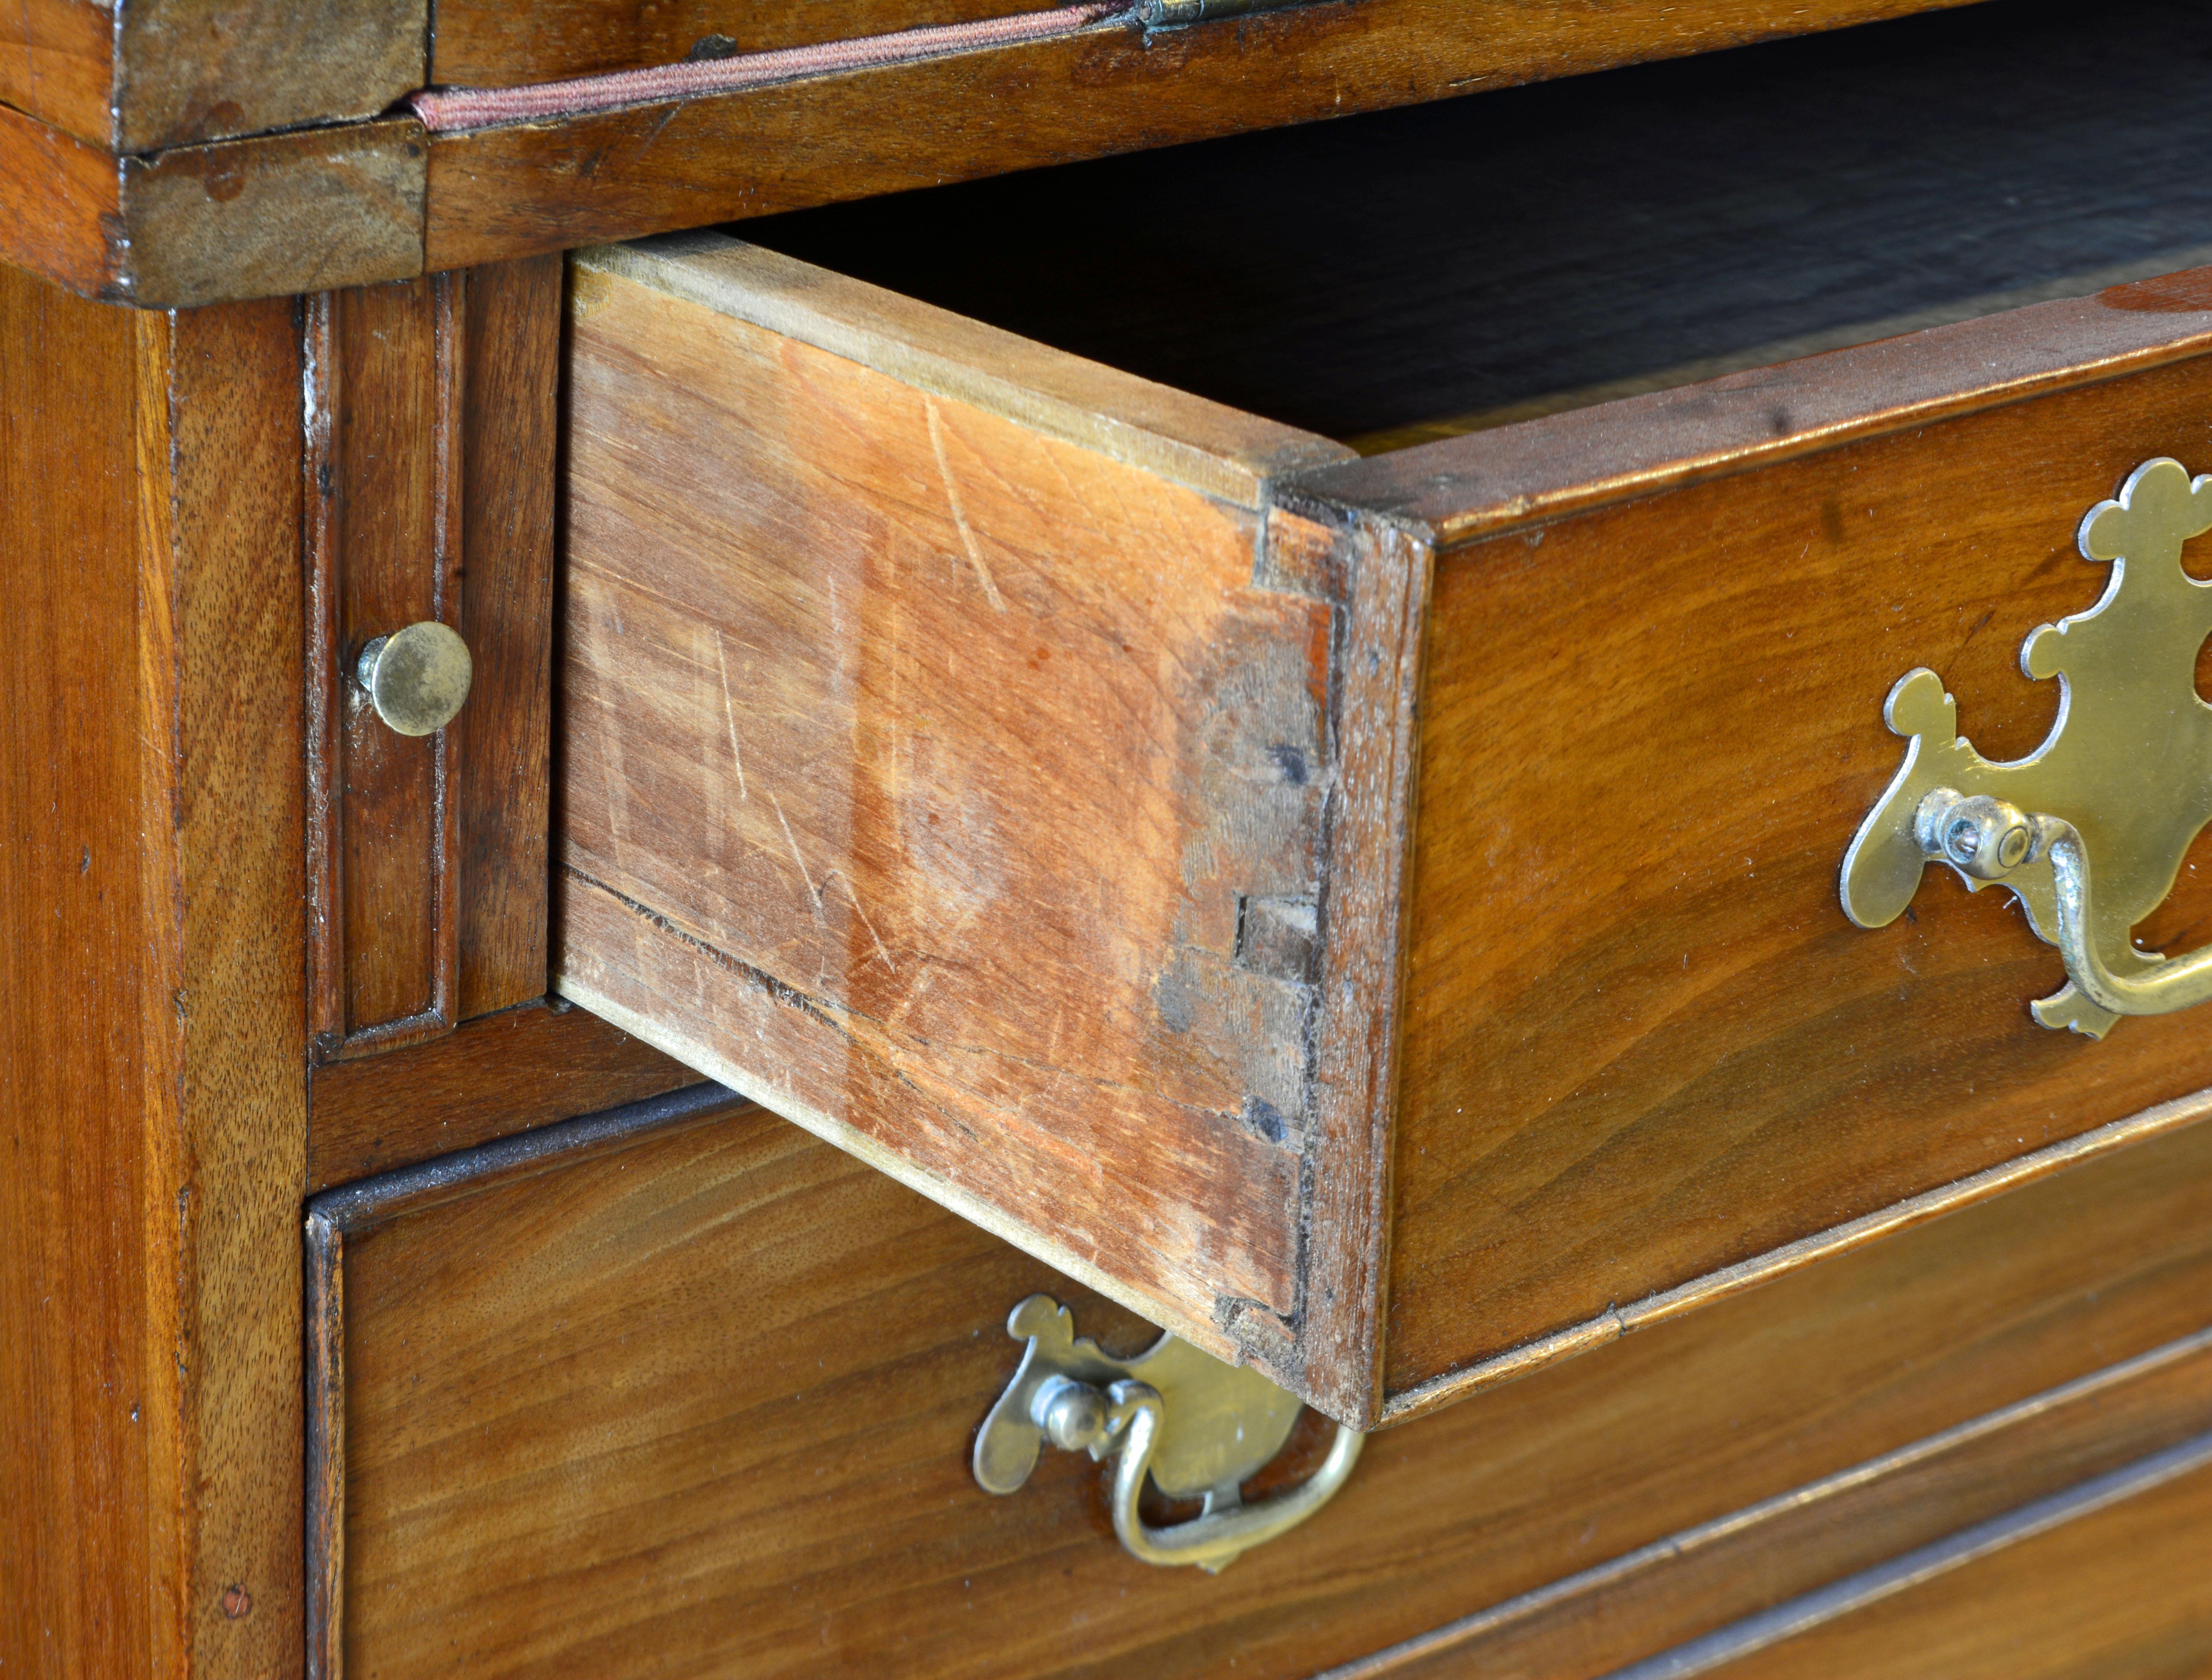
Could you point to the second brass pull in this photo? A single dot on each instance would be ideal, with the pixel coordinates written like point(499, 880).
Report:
point(1197, 1427)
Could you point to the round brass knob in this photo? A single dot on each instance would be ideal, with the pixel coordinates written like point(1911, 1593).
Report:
point(417, 678)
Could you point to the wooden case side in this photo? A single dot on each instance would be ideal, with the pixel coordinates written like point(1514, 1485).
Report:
point(944, 770)
point(86, 1367)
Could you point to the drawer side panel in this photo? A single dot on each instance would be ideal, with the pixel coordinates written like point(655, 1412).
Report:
point(933, 781)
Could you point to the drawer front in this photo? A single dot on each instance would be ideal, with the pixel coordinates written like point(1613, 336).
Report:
point(1008, 769)
point(2118, 1591)
point(682, 1388)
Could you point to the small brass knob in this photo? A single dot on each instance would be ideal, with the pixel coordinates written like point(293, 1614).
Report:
point(417, 678)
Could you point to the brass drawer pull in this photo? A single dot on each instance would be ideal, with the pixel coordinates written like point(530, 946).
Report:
point(1199, 1428)
point(416, 678)
point(2088, 831)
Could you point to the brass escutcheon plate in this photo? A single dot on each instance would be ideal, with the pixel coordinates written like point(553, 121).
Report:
point(2088, 830)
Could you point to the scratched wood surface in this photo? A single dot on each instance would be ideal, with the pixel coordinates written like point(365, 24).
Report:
point(151, 1085)
point(1581, 1128)
point(706, 1401)
point(1091, 772)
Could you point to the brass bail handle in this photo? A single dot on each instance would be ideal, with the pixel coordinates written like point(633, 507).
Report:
point(1987, 839)
point(2089, 831)
point(1195, 1426)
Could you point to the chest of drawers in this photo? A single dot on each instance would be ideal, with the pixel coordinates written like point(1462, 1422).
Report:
point(1258, 738)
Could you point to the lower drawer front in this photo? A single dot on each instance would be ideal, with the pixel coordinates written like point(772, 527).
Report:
point(2124, 1593)
point(697, 1397)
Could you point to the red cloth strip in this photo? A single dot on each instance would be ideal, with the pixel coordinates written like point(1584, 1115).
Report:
point(459, 108)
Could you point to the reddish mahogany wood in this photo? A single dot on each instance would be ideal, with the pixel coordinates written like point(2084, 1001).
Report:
point(152, 1087)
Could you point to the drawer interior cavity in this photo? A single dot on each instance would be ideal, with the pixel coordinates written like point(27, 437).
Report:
point(1390, 279)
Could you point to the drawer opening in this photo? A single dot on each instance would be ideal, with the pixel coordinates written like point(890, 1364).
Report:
point(1377, 917)
point(1391, 279)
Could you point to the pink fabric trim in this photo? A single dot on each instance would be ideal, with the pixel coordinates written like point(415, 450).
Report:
point(485, 107)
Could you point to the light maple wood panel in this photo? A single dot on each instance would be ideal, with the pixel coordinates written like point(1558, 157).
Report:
point(703, 1401)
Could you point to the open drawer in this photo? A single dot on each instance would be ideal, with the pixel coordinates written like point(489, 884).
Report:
point(1379, 916)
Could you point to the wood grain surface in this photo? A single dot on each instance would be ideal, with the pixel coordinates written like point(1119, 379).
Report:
point(89, 1589)
point(985, 835)
point(230, 1126)
point(502, 193)
point(151, 1086)
point(384, 422)
point(492, 1076)
point(2120, 1593)
point(502, 741)
point(706, 1401)
point(239, 219)
point(57, 65)
point(193, 70)
point(160, 73)
point(1642, 1041)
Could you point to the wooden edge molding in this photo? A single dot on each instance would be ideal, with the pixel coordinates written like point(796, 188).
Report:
point(1116, 86)
point(2080, 1447)
point(1610, 1326)
point(498, 1075)
point(1206, 445)
point(1460, 490)
point(1364, 902)
point(354, 1207)
point(1870, 1586)
point(190, 98)
point(264, 217)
